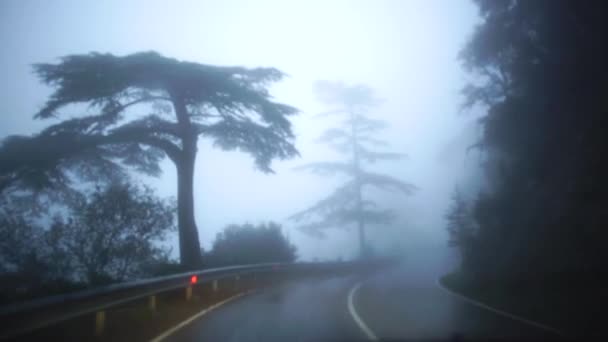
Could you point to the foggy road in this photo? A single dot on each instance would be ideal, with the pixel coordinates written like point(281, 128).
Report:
point(397, 306)
point(391, 304)
point(303, 311)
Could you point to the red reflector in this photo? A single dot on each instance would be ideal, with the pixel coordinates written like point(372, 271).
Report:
point(193, 279)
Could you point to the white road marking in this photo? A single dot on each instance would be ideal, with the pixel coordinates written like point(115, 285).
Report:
point(351, 308)
point(499, 312)
point(169, 332)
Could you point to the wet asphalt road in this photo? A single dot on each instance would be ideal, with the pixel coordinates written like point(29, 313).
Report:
point(302, 311)
point(392, 304)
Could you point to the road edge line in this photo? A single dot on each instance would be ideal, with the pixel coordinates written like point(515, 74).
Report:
point(497, 311)
point(353, 312)
point(201, 313)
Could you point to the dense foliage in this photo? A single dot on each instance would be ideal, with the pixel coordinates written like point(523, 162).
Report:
point(250, 244)
point(116, 233)
point(539, 70)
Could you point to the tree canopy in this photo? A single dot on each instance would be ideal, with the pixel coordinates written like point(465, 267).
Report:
point(135, 110)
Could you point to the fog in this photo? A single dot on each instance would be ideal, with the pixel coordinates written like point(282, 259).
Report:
point(405, 50)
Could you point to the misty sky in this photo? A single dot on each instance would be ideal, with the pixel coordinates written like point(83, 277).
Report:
point(406, 50)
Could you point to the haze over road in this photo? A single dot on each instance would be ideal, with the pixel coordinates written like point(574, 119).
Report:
point(392, 304)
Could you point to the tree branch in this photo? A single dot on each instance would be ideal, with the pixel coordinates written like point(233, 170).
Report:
point(143, 137)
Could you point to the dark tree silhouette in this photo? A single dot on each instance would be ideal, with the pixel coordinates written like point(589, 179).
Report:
point(347, 204)
point(113, 233)
point(461, 227)
point(249, 244)
point(18, 240)
point(140, 108)
point(539, 67)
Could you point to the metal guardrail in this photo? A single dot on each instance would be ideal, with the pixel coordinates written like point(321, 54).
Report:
point(180, 278)
point(39, 313)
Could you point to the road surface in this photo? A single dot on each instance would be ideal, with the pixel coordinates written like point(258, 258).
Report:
point(392, 305)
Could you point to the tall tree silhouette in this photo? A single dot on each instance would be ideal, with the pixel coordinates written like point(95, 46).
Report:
point(347, 204)
point(142, 107)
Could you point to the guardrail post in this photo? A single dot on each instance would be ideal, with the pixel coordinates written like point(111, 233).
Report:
point(152, 303)
point(236, 282)
point(188, 293)
point(100, 322)
point(215, 287)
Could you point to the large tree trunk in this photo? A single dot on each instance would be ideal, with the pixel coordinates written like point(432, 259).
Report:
point(357, 167)
point(361, 221)
point(362, 248)
point(189, 245)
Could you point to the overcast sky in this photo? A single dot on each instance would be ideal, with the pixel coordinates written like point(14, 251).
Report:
point(406, 50)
